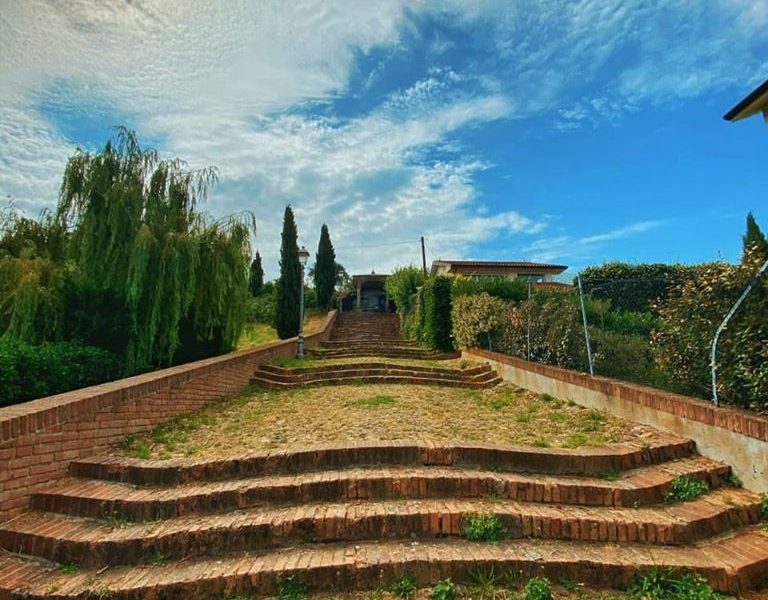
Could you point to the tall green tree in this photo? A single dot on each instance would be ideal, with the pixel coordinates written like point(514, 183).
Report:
point(289, 283)
point(135, 232)
point(754, 237)
point(325, 273)
point(256, 278)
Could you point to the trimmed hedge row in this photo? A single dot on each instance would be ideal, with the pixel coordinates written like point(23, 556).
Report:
point(32, 371)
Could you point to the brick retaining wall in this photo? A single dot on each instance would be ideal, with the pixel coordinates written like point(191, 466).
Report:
point(38, 438)
point(732, 435)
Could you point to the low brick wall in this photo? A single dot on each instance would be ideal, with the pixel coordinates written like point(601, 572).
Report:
point(734, 436)
point(40, 437)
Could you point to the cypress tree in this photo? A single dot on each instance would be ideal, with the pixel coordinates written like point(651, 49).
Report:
point(325, 270)
point(289, 284)
point(755, 237)
point(256, 278)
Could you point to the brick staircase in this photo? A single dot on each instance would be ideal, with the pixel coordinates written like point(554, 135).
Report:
point(374, 372)
point(355, 516)
point(358, 334)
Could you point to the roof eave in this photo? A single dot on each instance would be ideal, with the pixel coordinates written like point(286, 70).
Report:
point(755, 102)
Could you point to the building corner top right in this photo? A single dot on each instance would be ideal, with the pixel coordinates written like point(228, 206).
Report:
point(755, 102)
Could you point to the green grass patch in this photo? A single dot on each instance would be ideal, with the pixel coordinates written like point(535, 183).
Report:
point(404, 586)
point(292, 588)
point(482, 527)
point(537, 588)
point(684, 489)
point(670, 584)
point(375, 401)
point(576, 440)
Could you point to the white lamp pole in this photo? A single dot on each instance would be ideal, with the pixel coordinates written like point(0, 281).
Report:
point(303, 257)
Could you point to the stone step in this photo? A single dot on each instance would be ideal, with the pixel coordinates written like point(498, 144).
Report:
point(384, 379)
point(384, 353)
point(116, 501)
point(469, 371)
point(363, 340)
point(95, 543)
point(731, 565)
point(597, 461)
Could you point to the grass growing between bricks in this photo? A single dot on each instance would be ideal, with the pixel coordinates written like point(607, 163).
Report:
point(262, 420)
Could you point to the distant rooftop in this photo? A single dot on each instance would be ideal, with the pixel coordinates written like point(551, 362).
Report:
point(514, 264)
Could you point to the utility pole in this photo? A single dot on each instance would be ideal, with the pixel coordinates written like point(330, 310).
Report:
point(423, 256)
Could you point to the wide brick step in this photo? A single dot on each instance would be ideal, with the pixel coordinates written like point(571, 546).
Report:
point(368, 340)
point(98, 543)
point(410, 353)
point(731, 565)
point(553, 461)
point(387, 366)
point(638, 487)
point(389, 379)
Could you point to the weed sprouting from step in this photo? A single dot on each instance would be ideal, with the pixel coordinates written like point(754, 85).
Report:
point(576, 440)
point(375, 401)
point(292, 588)
point(113, 519)
point(733, 480)
point(537, 588)
point(443, 590)
point(495, 468)
point(540, 443)
point(671, 584)
point(404, 586)
point(484, 581)
point(160, 558)
point(764, 505)
point(612, 475)
point(594, 421)
point(684, 489)
point(482, 527)
point(68, 569)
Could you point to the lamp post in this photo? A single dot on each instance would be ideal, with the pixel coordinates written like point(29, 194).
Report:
point(303, 256)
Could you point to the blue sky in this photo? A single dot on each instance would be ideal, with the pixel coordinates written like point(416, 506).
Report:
point(575, 132)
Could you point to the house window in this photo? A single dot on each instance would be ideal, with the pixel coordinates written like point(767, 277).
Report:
point(532, 277)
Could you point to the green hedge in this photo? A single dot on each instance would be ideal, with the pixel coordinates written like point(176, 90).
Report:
point(435, 317)
point(497, 287)
point(32, 371)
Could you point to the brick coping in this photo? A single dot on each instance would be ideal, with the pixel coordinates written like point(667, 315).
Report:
point(35, 415)
point(729, 418)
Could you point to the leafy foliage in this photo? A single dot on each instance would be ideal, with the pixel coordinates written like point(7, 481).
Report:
point(31, 371)
point(402, 286)
point(289, 284)
point(325, 270)
point(292, 588)
point(404, 586)
point(538, 588)
point(478, 320)
point(444, 589)
point(669, 584)
point(485, 527)
point(256, 275)
point(684, 489)
point(498, 287)
point(264, 306)
point(754, 240)
point(435, 324)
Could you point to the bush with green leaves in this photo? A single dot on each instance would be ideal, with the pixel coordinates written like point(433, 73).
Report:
point(478, 320)
point(689, 319)
point(538, 588)
point(625, 356)
point(498, 287)
point(444, 589)
point(483, 527)
point(32, 371)
point(671, 584)
point(684, 489)
point(404, 586)
point(435, 306)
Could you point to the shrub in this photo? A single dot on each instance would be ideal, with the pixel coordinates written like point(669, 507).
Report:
point(28, 372)
point(554, 322)
point(264, 306)
point(292, 588)
point(690, 317)
point(684, 489)
point(485, 527)
point(478, 320)
point(443, 590)
point(404, 586)
point(625, 356)
point(538, 588)
point(668, 584)
point(498, 287)
point(435, 299)
point(402, 286)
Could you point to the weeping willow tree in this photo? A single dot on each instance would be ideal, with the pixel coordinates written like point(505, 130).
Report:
point(135, 231)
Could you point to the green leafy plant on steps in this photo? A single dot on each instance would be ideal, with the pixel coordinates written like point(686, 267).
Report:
point(670, 584)
point(764, 505)
point(292, 588)
point(684, 489)
point(538, 588)
point(404, 586)
point(483, 527)
point(443, 590)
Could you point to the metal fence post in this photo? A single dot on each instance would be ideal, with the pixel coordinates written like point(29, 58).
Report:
point(528, 334)
point(586, 329)
point(724, 324)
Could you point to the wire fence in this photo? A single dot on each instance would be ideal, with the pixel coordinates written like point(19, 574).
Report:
point(704, 332)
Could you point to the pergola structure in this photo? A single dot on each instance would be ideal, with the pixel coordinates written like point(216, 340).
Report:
point(755, 103)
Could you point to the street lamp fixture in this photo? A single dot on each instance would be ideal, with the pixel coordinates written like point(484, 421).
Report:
point(303, 257)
